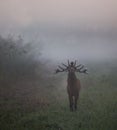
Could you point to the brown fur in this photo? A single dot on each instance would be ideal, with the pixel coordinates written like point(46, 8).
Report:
point(73, 84)
point(73, 89)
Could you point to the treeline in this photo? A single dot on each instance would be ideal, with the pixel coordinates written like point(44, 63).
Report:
point(18, 59)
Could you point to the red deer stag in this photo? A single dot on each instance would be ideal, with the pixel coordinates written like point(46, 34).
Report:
point(73, 84)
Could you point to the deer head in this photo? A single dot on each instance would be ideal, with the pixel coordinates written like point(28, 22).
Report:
point(72, 68)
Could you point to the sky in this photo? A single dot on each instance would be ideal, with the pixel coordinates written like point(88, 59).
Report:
point(95, 13)
point(59, 23)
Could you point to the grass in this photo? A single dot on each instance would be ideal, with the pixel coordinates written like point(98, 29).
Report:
point(48, 109)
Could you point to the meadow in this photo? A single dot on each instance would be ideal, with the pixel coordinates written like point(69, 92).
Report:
point(38, 101)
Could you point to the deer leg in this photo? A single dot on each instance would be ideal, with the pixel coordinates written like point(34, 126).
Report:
point(76, 99)
point(71, 102)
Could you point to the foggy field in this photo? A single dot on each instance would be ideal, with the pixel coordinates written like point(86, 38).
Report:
point(29, 104)
point(37, 99)
point(36, 36)
point(32, 97)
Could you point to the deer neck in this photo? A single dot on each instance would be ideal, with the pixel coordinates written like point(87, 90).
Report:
point(72, 78)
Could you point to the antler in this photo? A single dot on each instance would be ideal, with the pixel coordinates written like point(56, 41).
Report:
point(81, 69)
point(68, 63)
point(61, 69)
point(75, 63)
point(64, 65)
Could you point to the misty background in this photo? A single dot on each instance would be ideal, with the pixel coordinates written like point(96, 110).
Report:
point(38, 35)
point(66, 29)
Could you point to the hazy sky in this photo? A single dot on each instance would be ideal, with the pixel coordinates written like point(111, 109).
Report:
point(86, 13)
point(69, 18)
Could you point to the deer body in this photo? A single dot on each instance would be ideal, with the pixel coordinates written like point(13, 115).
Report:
point(73, 89)
point(73, 84)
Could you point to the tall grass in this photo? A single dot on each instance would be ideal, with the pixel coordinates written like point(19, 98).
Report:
point(47, 108)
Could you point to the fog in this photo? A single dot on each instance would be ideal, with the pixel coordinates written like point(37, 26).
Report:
point(66, 29)
point(63, 44)
point(88, 13)
point(36, 36)
point(76, 45)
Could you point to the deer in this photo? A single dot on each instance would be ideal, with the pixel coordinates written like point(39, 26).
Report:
point(73, 83)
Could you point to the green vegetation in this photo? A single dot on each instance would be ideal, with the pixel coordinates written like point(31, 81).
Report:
point(38, 101)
